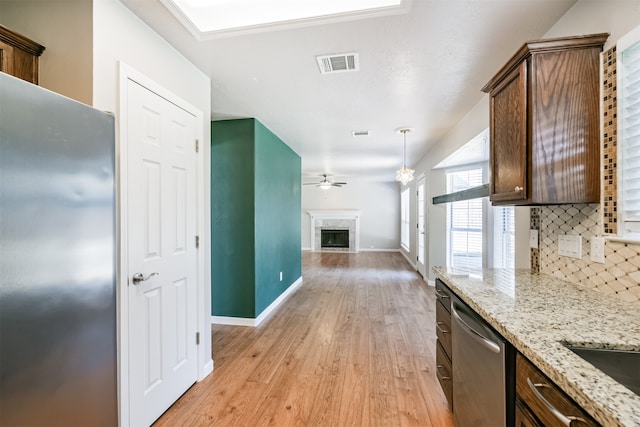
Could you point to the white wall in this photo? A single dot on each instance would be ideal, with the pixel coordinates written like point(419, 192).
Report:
point(63, 27)
point(596, 16)
point(378, 201)
point(585, 17)
point(119, 36)
point(473, 123)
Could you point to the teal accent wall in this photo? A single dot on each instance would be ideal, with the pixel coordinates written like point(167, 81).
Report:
point(232, 222)
point(277, 217)
point(255, 214)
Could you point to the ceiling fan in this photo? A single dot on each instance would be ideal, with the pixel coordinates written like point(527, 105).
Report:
point(325, 184)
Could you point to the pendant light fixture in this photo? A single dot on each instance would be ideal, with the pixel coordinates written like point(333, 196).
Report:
point(405, 174)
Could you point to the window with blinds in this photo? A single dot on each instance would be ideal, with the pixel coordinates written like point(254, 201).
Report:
point(404, 219)
point(628, 49)
point(464, 223)
point(504, 237)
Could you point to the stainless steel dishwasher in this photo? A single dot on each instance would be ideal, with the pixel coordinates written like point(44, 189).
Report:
point(481, 374)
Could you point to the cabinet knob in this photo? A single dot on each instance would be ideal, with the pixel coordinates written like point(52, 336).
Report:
point(519, 189)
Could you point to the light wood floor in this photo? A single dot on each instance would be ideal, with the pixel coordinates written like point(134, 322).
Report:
point(354, 346)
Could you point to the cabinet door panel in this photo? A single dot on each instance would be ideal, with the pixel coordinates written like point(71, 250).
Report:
point(566, 138)
point(509, 137)
point(6, 58)
point(443, 327)
point(444, 373)
point(25, 66)
point(524, 417)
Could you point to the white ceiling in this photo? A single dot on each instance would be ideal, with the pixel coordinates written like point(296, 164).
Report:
point(422, 69)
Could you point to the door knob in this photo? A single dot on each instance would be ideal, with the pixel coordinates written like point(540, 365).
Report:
point(139, 277)
point(519, 189)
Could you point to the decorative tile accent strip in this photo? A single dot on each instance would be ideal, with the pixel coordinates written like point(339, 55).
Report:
point(535, 260)
point(535, 252)
point(618, 276)
point(609, 142)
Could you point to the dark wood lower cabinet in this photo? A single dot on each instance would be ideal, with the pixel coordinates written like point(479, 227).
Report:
point(444, 374)
point(543, 400)
point(444, 362)
point(524, 417)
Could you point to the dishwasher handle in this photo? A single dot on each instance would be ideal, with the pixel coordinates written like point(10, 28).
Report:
point(486, 342)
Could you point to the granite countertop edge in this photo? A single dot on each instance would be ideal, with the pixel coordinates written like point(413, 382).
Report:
point(537, 313)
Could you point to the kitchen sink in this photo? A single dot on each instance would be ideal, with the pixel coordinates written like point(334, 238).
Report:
point(621, 365)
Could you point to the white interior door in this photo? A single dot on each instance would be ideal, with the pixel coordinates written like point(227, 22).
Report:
point(420, 238)
point(161, 228)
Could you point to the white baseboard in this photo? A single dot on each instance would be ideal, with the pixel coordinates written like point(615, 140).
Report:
point(207, 369)
point(361, 250)
point(413, 264)
point(232, 321)
point(243, 321)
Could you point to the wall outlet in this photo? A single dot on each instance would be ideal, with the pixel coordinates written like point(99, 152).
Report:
point(569, 245)
point(281, 276)
point(597, 249)
point(533, 238)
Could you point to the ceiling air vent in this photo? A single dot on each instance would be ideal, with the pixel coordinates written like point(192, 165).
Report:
point(338, 62)
point(357, 133)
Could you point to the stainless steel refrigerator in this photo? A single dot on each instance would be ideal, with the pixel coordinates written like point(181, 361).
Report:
point(57, 260)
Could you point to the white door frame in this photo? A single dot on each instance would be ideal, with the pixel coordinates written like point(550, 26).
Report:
point(205, 364)
point(421, 267)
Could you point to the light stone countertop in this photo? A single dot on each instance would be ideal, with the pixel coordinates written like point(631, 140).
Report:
point(537, 313)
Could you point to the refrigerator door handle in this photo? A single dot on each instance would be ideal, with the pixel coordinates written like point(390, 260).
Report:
point(139, 277)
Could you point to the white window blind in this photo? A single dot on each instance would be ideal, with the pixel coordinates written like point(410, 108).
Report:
point(464, 223)
point(504, 237)
point(404, 219)
point(629, 132)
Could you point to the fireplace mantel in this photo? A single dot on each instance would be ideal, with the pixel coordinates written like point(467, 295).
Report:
point(344, 218)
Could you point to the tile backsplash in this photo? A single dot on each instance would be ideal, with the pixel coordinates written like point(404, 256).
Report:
point(619, 276)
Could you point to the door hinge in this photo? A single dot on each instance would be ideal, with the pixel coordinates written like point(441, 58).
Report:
point(197, 242)
point(197, 338)
point(197, 145)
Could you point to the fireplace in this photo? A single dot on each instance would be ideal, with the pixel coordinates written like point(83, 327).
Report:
point(334, 238)
point(344, 222)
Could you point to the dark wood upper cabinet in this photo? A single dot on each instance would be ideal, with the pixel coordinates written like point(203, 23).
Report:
point(19, 55)
point(545, 123)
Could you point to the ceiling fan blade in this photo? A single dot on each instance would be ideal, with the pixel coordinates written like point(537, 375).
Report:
point(340, 183)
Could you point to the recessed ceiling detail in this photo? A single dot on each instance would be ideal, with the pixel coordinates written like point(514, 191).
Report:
point(215, 18)
point(338, 62)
